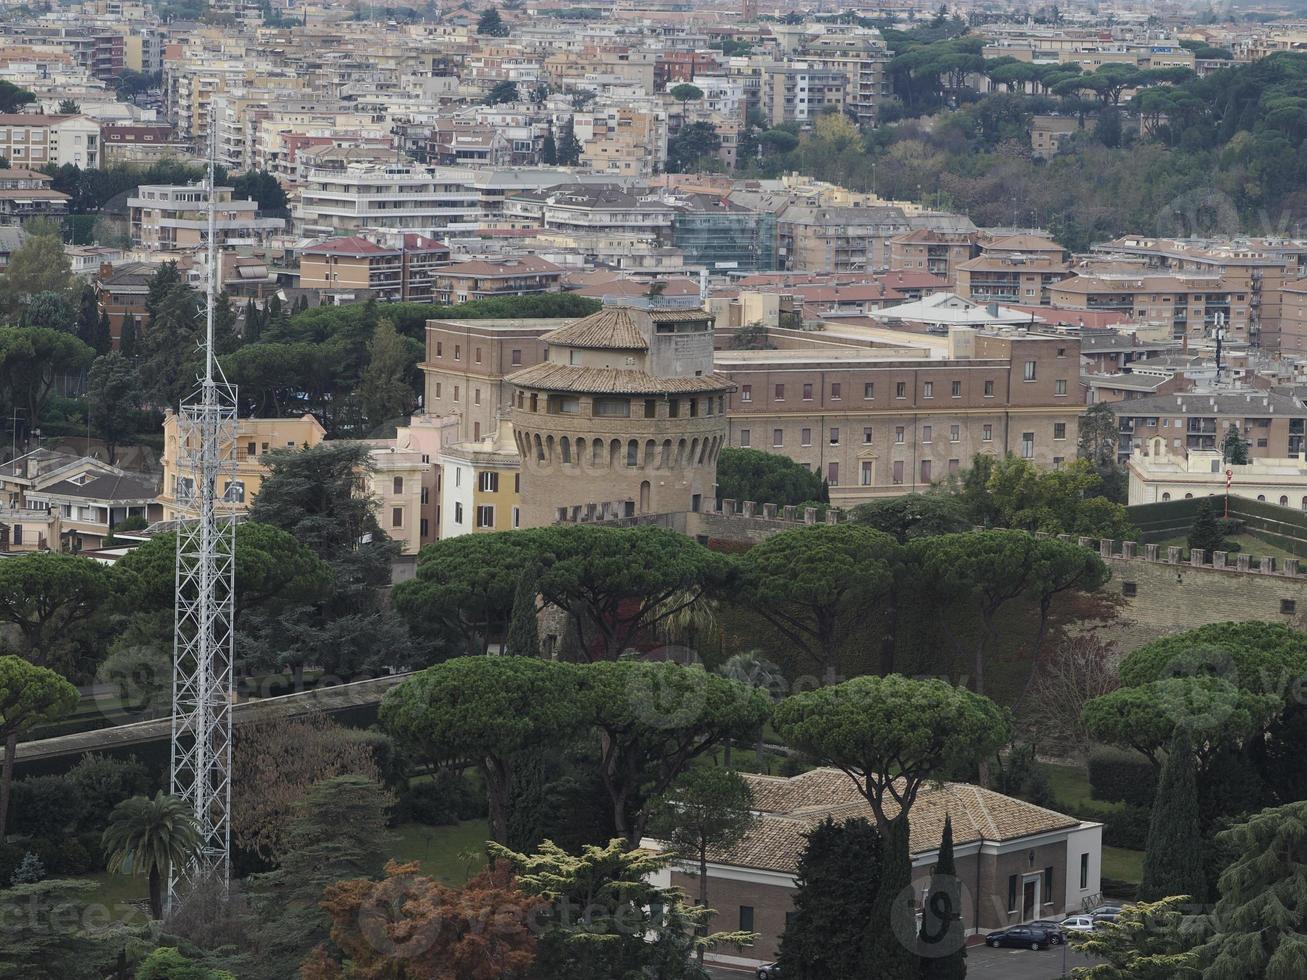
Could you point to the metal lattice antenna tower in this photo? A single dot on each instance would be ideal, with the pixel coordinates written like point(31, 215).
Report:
point(202, 693)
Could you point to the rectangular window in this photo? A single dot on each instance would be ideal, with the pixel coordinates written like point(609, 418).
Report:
point(1059, 430)
point(898, 472)
point(424, 495)
point(928, 389)
point(517, 517)
point(957, 389)
point(807, 393)
point(486, 515)
point(866, 437)
point(866, 473)
point(456, 393)
point(1129, 589)
point(746, 918)
point(833, 474)
point(835, 391)
point(488, 482)
point(1084, 871)
point(458, 512)
point(650, 408)
point(476, 396)
point(989, 389)
point(1288, 607)
point(744, 438)
point(834, 437)
point(440, 349)
point(251, 449)
point(515, 358)
point(987, 433)
point(458, 352)
point(423, 528)
point(899, 434)
point(1029, 373)
point(612, 408)
point(900, 389)
point(954, 465)
point(805, 437)
point(925, 471)
point(955, 433)
point(517, 483)
point(478, 355)
point(746, 393)
point(397, 486)
point(1048, 886)
point(927, 433)
point(869, 390)
point(437, 389)
point(397, 517)
point(1027, 445)
point(1011, 893)
point(780, 393)
point(1059, 386)
point(777, 438)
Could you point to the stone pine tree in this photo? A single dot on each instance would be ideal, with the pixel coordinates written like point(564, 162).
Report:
point(838, 877)
point(1234, 447)
point(943, 939)
point(1173, 857)
point(1205, 534)
point(523, 636)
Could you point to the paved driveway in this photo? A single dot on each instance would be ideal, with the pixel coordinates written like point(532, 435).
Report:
point(992, 964)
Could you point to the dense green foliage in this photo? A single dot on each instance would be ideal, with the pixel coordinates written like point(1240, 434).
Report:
point(1172, 864)
point(838, 877)
point(766, 478)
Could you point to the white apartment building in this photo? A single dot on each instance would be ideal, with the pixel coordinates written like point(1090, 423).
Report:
point(405, 198)
point(33, 142)
point(168, 217)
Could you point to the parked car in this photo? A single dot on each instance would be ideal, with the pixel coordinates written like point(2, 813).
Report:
point(1079, 923)
point(1054, 929)
point(769, 971)
point(1105, 913)
point(1022, 937)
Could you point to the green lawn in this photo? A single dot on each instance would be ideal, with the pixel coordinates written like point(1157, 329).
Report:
point(449, 854)
point(121, 893)
point(1248, 545)
point(1123, 865)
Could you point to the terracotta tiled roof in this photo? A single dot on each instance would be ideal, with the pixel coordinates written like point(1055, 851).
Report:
point(352, 245)
point(525, 265)
point(612, 328)
point(613, 381)
point(789, 808)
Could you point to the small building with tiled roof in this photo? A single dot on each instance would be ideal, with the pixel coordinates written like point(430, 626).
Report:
point(1017, 861)
point(624, 414)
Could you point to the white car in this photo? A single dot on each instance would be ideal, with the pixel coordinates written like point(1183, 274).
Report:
point(1079, 923)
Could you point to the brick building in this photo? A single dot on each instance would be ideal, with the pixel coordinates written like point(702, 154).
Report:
point(1017, 861)
point(1272, 424)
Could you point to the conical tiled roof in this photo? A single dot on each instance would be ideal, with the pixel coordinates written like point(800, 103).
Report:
point(612, 328)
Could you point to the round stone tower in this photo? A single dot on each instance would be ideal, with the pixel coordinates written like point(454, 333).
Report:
point(624, 416)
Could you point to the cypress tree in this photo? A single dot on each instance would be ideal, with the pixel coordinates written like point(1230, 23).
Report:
point(892, 929)
point(523, 637)
point(943, 938)
point(127, 338)
point(1173, 856)
point(102, 336)
point(1205, 534)
point(549, 151)
point(838, 877)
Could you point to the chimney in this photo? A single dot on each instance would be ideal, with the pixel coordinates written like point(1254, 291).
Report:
point(106, 270)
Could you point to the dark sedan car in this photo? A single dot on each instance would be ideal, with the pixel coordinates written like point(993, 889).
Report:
point(1052, 927)
point(769, 971)
point(1023, 937)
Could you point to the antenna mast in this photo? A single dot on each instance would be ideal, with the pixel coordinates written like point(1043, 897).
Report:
point(202, 695)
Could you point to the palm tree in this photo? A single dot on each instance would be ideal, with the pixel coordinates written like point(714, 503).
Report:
point(151, 837)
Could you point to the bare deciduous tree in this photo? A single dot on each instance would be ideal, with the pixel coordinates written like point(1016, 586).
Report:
point(1081, 668)
point(275, 764)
